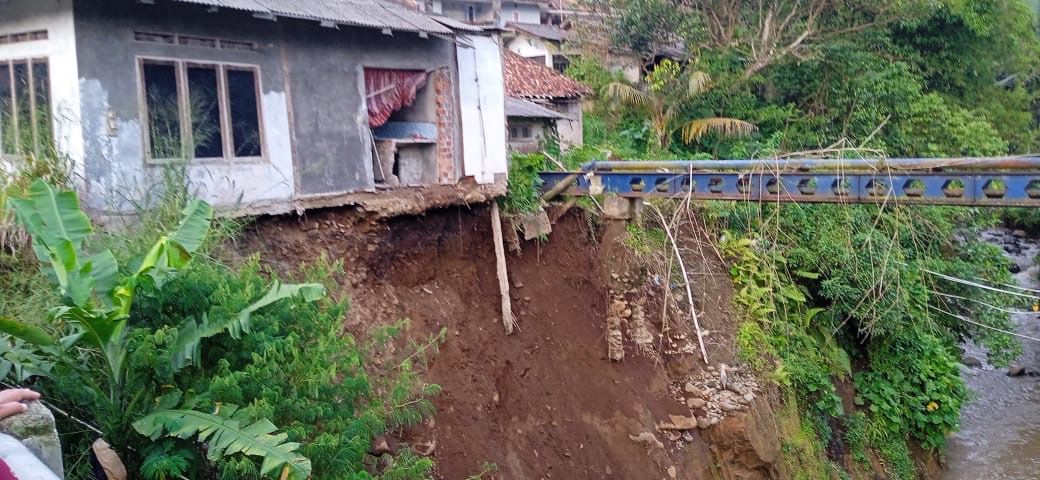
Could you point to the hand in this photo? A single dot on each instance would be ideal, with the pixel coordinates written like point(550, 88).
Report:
point(11, 401)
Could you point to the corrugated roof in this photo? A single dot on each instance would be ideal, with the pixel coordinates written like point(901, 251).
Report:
point(516, 107)
point(547, 32)
point(457, 25)
point(527, 78)
point(362, 13)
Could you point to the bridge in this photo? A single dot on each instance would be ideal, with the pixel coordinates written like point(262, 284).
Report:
point(969, 181)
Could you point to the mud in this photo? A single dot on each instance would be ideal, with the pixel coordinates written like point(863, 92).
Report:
point(545, 402)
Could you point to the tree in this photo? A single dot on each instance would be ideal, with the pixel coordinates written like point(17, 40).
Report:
point(668, 90)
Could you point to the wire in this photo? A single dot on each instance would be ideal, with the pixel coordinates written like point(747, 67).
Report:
point(974, 284)
point(1016, 287)
point(1013, 312)
point(973, 322)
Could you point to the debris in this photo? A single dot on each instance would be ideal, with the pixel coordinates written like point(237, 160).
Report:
point(678, 422)
point(672, 472)
point(647, 438)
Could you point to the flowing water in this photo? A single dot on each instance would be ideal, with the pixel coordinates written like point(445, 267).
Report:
point(1000, 427)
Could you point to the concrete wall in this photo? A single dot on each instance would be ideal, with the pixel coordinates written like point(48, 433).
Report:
point(331, 118)
point(521, 12)
point(482, 12)
point(540, 130)
point(55, 16)
point(118, 174)
point(528, 46)
point(315, 122)
point(570, 131)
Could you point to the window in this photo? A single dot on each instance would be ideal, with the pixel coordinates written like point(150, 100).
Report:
point(23, 37)
point(560, 63)
point(25, 114)
point(192, 41)
point(520, 132)
point(201, 110)
point(470, 13)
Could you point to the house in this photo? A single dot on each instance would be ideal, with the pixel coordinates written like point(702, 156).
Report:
point(533, 82)
point(530, 124)
point(493, 13)
point(270, 106)
point(542, 43)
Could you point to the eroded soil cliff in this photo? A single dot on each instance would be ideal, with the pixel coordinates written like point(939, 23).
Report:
point(547, 402)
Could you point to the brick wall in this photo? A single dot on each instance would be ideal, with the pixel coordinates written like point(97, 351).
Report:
point(445, 126)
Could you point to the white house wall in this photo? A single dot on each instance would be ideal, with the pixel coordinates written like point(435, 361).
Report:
point(531, 47)
point(521, 13)
point(482, 104)
point(119, 177)
point(56, 17)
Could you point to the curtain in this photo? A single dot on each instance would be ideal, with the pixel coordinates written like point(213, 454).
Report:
point(390, 90)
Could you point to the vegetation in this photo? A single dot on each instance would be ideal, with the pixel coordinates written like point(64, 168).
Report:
point(189, 368)
point(839, 294)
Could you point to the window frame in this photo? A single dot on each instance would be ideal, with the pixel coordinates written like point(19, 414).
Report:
point(521, 128)
point(181, 66)
point(29, 62)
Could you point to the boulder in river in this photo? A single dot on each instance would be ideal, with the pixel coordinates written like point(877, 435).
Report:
point(970, 361)
point(1016, 371)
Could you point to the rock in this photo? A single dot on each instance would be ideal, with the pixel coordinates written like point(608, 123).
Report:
point(379, 446)
point(109, 460)
point(648, 439)
point(692, 389)
point(1014, 268)
point(672, 472)
point(728, 407)
point(1019, 233)
point(678, 422)
point(703, 422)
point(970, 361)
point(749, 397)
point(696, 402)
point(1016, 371)
point(36, 430)
point(425, 449)
point(518, 285)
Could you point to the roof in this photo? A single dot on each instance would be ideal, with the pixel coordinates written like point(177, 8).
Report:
point(457, 25)
point(516, 107)
point(525, 78)
point(547, 32)
point(362, 13)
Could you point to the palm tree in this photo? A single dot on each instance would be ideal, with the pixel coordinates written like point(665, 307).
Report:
point(664, 98)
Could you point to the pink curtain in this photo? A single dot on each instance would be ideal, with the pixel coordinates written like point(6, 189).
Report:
point(390, 90)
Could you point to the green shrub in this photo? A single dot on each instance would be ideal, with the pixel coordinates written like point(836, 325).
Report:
point(523, 194)
point(913, 386)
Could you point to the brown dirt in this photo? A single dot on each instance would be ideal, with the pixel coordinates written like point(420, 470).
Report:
point(544, 402)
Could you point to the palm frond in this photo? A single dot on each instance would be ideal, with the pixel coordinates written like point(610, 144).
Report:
point(730, 127)
point(626, 94)
point(224, 434)
point(700, 82)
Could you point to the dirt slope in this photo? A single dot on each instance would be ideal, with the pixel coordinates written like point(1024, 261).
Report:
point(545, 402)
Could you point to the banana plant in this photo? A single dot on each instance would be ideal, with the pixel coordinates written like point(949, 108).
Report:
point(97, 300)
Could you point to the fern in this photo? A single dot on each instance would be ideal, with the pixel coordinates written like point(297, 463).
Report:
point(224, 435)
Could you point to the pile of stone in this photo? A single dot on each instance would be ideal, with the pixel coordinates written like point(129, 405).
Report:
point(712, 395)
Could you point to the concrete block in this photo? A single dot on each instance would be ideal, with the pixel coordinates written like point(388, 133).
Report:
point(36, 430)
point(619, 208)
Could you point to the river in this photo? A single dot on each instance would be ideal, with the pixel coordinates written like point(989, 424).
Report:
point(999, 437)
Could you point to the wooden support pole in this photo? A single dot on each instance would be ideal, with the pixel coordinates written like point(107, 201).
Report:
point(503, 276)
